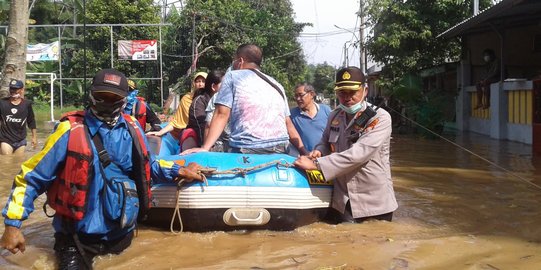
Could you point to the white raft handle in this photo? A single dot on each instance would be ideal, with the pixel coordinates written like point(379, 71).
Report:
point(245, 221)
point(245, 216)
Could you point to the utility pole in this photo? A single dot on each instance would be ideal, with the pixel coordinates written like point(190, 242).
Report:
point(346, 60)
point(362, 52)
point(192, 68)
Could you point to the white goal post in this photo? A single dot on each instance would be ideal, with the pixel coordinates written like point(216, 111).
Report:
point(51, 79)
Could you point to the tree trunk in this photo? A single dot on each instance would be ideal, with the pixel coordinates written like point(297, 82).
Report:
point(168, 102)
point(15, 61)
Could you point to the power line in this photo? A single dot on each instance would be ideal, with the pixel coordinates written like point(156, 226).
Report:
point(330, 33)
point(286, 54)
point(241, 27)
point(178, 55)
point(267, 31)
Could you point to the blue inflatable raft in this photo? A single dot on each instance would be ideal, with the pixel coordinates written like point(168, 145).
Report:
point(242, 191)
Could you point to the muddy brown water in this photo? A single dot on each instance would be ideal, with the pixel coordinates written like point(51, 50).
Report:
point(456, 211)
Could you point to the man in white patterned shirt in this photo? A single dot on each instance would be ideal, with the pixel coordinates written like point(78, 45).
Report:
point(256, 106)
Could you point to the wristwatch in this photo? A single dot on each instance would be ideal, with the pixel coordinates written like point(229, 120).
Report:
point(317, 164)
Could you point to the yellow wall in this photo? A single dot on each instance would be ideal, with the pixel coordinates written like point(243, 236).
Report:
point(519, 107)
point(478, 113)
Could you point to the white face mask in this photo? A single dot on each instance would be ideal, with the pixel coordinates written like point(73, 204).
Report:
point(16, 95)
point(361, 106)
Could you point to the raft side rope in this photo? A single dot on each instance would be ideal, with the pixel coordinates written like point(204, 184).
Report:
point(177, 211)
point(211, 171)
point(244, 171)
point(469, 151)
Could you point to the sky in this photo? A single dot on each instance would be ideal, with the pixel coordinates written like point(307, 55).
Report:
point(324, 42)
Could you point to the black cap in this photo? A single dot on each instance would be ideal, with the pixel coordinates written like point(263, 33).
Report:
point(110, 80)
point(16, 84)
point(349, 78)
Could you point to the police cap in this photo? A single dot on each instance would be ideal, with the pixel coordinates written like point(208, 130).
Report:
point(349, 78)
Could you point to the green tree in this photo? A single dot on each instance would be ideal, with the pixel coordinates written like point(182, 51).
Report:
point(403, 39)
point(404, 33)
point(324, 79)
point(97, 45)
point(220, 26)
point(98, 38)
point(14, 65)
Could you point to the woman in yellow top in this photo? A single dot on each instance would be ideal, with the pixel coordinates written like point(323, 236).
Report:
point(180, 119)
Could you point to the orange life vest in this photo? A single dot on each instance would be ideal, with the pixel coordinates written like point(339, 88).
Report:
point(140, 112)
point(68, 194)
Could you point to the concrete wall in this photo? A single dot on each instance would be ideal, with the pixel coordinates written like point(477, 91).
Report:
point(516, 132)
point(515, 48)
point(497, 126)
point(519, 133)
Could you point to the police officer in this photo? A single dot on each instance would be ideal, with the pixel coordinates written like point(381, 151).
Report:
point(96, 169)
point(354, 152)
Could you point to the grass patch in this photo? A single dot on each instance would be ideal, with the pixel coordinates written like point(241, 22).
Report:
point(42, 111)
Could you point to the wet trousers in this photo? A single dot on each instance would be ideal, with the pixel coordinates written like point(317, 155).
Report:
point(74, 253)
point(347, 217)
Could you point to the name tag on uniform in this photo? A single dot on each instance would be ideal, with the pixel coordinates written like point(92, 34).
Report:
point(315, 177)
point(333, 136)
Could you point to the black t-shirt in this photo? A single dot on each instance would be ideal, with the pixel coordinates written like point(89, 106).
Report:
point(197, 116)
point(14, 119)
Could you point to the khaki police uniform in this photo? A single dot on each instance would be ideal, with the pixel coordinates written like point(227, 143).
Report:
point(361, 168)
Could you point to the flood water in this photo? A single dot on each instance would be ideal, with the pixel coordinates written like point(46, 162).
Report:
point(456, 211)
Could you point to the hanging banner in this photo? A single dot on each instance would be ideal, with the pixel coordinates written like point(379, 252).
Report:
point(138, 49)
point(42, 52)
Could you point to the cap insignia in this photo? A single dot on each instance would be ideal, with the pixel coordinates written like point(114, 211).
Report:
point(112, 79)
point(346, 76)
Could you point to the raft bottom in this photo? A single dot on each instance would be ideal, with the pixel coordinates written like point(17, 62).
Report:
point(201, 220)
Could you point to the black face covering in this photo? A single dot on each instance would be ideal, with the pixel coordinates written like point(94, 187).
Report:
point(107, 112)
